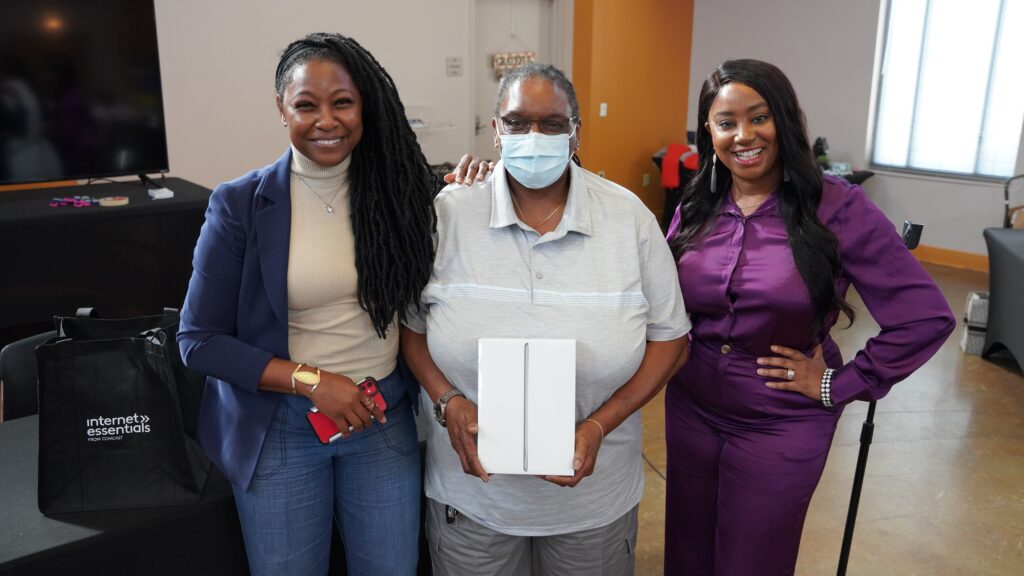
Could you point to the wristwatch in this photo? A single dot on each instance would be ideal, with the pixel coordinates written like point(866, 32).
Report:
point(442, 402)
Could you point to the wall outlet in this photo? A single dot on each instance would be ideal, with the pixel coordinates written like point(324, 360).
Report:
point(647, 179)
point(602, 109)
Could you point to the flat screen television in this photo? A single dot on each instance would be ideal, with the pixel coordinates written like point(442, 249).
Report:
point(80, 93)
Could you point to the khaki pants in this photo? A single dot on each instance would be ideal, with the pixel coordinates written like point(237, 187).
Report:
point(466, 548)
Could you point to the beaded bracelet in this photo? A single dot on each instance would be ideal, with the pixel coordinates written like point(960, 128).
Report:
point(826, 387)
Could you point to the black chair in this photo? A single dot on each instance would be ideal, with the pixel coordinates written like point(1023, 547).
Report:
point(19, 381)
point(672, 195)
point(1006, 297)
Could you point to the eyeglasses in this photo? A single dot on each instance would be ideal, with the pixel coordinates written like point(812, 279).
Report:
point(550, 126)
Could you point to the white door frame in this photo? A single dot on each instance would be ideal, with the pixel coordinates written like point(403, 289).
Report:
point(560, 14)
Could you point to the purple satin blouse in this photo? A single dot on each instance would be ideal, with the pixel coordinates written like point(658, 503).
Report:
point(742, 288)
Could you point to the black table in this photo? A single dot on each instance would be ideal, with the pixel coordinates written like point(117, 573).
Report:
point(202, 538)
point(125, 261)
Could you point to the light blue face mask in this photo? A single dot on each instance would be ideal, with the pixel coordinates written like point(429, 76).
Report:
point(535, 160)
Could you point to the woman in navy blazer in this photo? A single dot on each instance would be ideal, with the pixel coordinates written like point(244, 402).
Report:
point(301, 271)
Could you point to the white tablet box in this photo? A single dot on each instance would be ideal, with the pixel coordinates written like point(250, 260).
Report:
point(526, 405)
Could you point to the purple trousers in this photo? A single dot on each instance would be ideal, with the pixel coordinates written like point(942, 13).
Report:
point(743, 462)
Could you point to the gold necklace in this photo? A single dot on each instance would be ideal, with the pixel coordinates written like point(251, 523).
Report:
point(327, 203)
point(751, 205)
point(523, 214)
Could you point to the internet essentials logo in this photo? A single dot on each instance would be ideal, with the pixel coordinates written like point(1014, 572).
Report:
point(103, 429)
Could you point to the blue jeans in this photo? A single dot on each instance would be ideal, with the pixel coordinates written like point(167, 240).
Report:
point(369, 484)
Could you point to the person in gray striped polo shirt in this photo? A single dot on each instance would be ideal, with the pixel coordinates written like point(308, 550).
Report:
point(543, 249)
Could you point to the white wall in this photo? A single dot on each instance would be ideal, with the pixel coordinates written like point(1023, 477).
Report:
point(218, 58)
point(494, 22)
point(827, 48)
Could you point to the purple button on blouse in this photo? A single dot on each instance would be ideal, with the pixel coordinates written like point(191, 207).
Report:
point(742, 288)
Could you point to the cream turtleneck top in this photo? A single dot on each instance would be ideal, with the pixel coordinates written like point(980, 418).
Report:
point(326, 326)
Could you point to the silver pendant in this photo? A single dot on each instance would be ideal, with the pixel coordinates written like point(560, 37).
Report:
point(328, 208)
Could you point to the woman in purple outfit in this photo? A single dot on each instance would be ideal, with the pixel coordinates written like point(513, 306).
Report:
point(766, 247)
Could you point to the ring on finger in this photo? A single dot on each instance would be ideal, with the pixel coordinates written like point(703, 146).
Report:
point(790, 374)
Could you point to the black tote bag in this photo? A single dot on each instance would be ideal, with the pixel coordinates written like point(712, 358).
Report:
point(111, 432)
point(85, 325)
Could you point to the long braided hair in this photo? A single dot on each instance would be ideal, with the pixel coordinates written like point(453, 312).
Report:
point(815, 248)
point(390, 182)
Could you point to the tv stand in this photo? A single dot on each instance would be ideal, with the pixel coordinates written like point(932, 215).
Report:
point(125, 261)
point(148, 182)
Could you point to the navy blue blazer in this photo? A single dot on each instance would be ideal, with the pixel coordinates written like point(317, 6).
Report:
point(235, 316)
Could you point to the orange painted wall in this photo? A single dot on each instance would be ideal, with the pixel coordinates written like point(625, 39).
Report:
point(635, 56)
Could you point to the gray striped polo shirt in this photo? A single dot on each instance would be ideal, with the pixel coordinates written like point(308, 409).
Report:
point(604, 276)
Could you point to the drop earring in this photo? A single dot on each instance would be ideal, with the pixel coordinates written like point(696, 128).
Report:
point(714, 173)
point(785, 174)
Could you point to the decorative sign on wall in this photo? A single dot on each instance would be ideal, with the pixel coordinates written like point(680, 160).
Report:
point(504, 62)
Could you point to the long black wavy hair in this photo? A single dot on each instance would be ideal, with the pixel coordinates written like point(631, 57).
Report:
point(390, 182)
point(815, 248)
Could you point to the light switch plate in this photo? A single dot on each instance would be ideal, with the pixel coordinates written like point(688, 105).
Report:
point(453, 66)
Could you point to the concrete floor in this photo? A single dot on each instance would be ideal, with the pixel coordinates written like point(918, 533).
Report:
point(944, 488)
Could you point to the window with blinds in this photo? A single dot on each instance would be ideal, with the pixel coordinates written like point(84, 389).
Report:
point(951, 89)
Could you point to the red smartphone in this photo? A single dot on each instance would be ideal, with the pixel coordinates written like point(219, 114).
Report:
point(325, 428)
point(369, 387)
